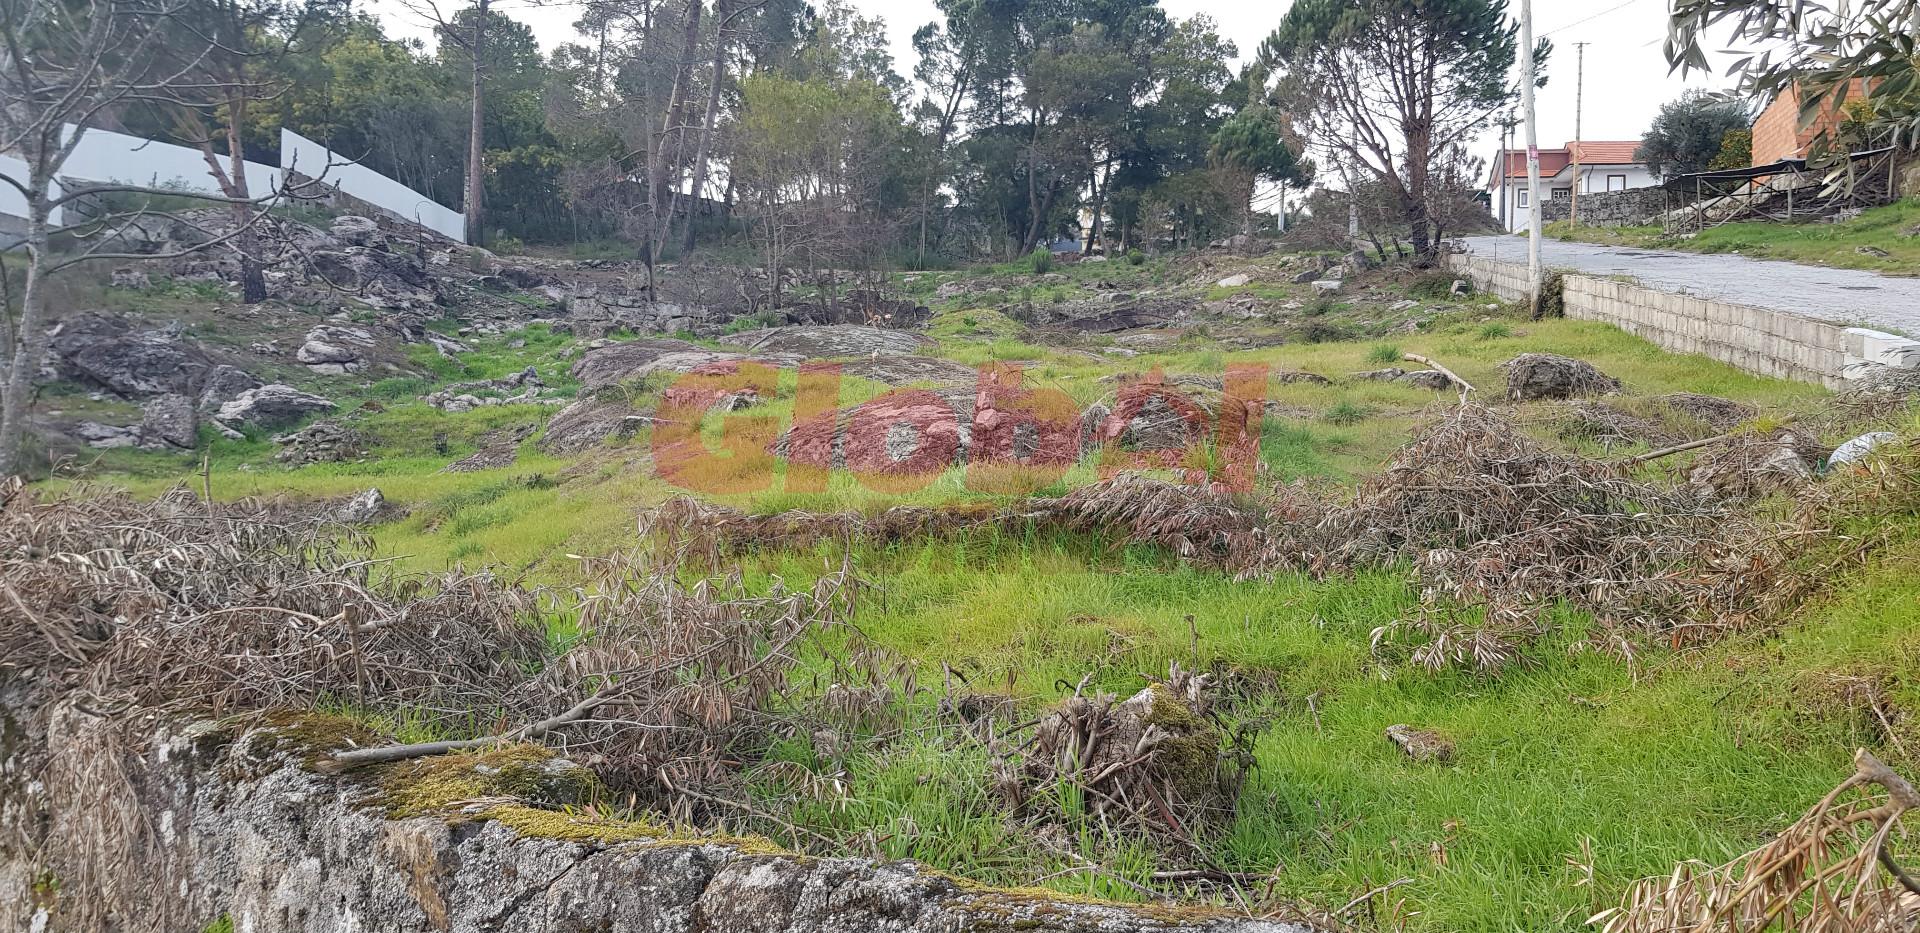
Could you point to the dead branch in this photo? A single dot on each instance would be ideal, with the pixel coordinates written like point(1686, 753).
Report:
point(1465, 386)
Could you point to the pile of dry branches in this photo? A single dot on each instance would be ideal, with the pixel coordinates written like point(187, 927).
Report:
point(250, 606)
point(173, 606)
point(1201, 524)
point(1158, 762)
point(1500, 530)
point(1830, 872)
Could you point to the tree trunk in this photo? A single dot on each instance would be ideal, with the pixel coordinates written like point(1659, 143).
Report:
point(718, 78)
point(476, 135)
point(659, 202)
point(1102, 183)
point(253, 281)
point(30, 339)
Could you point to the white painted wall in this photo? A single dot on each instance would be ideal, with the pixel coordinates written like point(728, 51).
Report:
point(105, 156)
point(298, 153)
point(1592, 180)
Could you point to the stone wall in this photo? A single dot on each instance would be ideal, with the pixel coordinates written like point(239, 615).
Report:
point(1770, 343)
point(239, 827)
point(1632, 207)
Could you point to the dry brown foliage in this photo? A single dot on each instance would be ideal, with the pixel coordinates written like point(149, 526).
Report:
point(1830, 872)
point(688, 675)
point(249, 606)
point(1202, 524)
point(1157, 762)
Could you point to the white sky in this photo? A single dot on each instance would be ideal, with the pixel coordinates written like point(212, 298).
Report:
point(1627, 77)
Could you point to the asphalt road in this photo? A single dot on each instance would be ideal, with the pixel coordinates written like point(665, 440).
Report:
point(1841, 296)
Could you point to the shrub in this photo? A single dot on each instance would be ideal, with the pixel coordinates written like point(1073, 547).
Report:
point(1346, 412)
point(1432, 286)
point(1495, 330)
point(1135, 257)
point(1040, 261)
point(1383, 353)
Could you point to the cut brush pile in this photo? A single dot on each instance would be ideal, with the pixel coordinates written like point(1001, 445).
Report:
point(1498, 530)
point(172, 606)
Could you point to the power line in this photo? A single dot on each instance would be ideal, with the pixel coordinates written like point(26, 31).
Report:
point(1589, 19)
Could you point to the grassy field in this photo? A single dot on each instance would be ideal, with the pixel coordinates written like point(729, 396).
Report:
point(1574, 771)
point(1883, 239)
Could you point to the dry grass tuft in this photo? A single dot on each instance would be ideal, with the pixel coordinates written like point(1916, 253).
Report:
point(1830, 872)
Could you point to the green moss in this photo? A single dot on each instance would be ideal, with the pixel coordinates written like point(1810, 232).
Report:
point(430, 785)
point(1191, 757)
point(570, 826)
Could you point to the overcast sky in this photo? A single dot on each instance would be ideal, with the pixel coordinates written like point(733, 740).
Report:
point(1626, 74)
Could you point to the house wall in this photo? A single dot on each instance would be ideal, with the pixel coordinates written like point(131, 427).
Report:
point(1777, 133)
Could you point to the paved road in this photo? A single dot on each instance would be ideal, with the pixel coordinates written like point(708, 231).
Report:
point(1843, 296)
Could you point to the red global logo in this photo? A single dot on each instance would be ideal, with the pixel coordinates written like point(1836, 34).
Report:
point(1007, 434)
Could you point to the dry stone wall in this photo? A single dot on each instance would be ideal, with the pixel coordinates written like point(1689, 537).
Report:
point(242, 830)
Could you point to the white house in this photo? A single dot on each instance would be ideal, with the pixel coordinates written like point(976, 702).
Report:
point(1604, 166)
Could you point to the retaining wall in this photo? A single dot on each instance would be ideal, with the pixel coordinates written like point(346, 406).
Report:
point(1610, 208)
point(1758, 340)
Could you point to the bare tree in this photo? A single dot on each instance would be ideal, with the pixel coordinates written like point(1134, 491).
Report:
point(473, 40)
point(62, 66)
point(240, 44)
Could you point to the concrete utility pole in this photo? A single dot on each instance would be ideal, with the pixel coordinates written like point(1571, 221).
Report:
point(1579, 101)
point(1527, 79)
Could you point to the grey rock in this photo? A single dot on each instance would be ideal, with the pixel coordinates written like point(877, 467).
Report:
point(107, 436)
point(129, 277)
point(589, 422)
point(170, 420)
point(270, 406)
point(831, 341)
point(325, 441)
point(108, 352)
point(1388, 374)
point(224, 384)
point(245, 830)
point(353, 230)
point(364, 507)
point(1234, 281)
point(1427, 379)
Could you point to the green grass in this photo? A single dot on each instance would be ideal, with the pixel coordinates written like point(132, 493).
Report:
point(1698, 755)
point(1890, 229)
point(1695, 755)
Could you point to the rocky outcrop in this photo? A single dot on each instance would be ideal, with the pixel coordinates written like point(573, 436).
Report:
point(241, 829)
point(170, 420)
point(224, 384)
point(110, 353)
point(320, 442)
point(831, 341)
point(271, 406)
point(628, 360)
point(333, 350)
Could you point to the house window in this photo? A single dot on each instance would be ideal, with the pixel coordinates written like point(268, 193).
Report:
point(1521, 193)
point(1559, 193)
point(1616, 182)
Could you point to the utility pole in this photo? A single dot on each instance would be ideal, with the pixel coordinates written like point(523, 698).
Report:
point(1579, 100)
point(1527, 79)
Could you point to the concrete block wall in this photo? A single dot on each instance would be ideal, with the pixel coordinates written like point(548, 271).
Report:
point(1770, 343)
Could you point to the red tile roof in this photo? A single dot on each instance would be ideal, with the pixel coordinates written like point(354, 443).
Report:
point(1592, 152)
point(1605, 153)
point(1551, 162)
